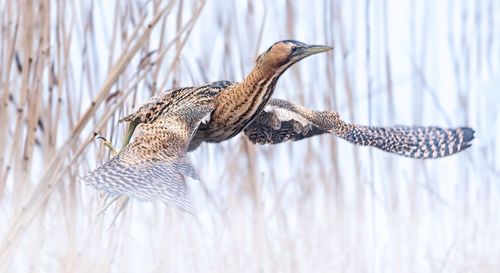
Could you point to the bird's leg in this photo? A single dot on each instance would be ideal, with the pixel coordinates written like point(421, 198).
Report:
point(122, 203)
point(122, 198)
point(105, 204)
point(130, 131)
point(126, 140)
point(108, 144)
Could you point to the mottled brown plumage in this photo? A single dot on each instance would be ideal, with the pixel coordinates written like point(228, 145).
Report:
point(154, 165)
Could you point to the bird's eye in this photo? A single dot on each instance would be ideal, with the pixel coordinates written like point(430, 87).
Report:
point(294, 48)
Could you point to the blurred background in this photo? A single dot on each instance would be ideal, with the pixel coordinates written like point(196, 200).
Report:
point(72, 68)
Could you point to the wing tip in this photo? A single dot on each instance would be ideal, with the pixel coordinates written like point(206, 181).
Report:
point(468, 135)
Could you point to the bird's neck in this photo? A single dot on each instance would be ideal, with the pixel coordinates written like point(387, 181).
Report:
point(260, 76)
point(258, 86)
point(251, 95)
point(240, 104)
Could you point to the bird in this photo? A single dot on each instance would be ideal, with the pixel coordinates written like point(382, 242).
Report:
point(154, 165)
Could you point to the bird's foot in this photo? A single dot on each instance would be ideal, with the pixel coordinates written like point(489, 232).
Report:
point(121, 202)
point(107, 143)
point(106, 204)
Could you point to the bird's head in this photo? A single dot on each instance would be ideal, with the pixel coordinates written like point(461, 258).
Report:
point(287, 52)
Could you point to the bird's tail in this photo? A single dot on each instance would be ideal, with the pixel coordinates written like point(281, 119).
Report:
point(415, 142)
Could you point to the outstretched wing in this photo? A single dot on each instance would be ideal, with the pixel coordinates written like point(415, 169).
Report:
point(416, 142)
point(282, 121)
point(154, 165)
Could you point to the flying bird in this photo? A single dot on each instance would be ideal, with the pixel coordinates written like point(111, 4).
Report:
point(154, 165)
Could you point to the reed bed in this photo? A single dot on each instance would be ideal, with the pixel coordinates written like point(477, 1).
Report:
point(70, 69)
